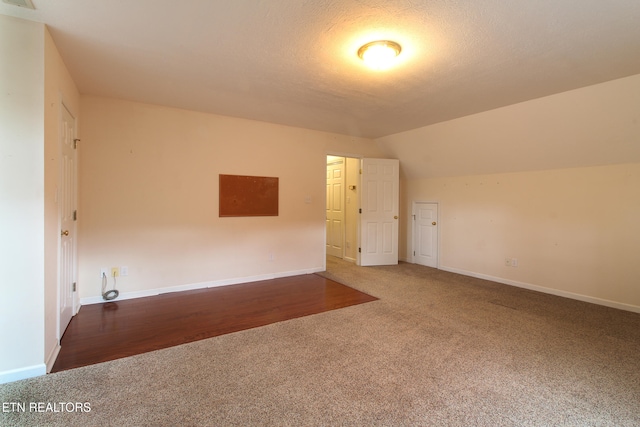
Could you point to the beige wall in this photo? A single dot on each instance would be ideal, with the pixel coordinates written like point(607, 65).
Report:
point(21, 198)
point(572, 230)
point(554, 182)
point(59, 88)
point(149, 197)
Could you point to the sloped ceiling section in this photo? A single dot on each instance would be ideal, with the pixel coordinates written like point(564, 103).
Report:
point(295, 62)
point(592, 126)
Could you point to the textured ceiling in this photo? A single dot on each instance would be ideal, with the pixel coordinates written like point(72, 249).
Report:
point(294, 62)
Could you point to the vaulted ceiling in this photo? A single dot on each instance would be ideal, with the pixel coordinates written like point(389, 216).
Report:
point(295, 62)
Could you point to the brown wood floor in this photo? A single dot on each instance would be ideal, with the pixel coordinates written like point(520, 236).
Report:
point(102, 332)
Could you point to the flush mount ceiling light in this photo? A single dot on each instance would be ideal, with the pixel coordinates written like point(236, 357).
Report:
point(380, 54)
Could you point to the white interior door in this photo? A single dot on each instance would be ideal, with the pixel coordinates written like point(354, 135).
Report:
point(379, 217)
point(425, 234)
point(335, 206)
point(67, 203)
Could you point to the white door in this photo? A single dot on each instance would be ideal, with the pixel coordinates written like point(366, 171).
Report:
point(379, 217)
point(425, 234)
point(335, 206)
point(67, 203)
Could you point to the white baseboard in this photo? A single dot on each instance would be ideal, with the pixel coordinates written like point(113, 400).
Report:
point(52, 357)
point(23, 373)
point(202, 285)
point(557, 292)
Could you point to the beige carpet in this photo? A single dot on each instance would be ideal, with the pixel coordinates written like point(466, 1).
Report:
point(437, 349)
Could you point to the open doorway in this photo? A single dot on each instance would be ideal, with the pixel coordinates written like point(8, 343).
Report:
point(342, 204)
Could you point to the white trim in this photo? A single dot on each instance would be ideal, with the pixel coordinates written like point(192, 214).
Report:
point(551, 291)
point(53, 356)
point(23, 373)
point(201, 285)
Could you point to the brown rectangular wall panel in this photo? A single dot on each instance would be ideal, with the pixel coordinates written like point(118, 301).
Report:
point(242, 195)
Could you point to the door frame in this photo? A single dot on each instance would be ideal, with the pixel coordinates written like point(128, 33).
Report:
point(413, 230)
point(343, 179)
point(75, 300)
point(324, 207)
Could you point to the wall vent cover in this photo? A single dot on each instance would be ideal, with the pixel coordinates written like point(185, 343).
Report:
point(21, 3)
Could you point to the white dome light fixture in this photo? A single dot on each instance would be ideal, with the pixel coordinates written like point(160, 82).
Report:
point(379, 54)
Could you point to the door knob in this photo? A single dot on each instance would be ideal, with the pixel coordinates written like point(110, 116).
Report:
point(433, 223)
point(65, 233)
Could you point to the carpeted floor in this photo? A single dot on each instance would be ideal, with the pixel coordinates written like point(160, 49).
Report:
point(437, 349)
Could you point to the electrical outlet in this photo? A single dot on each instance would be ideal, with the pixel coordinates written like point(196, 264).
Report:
point(124, 271)
point(115, 271)
point(511, 262)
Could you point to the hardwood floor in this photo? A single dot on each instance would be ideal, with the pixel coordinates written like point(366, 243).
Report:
point(112, 330)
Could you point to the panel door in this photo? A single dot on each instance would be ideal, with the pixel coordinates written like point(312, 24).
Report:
point(335, 206)
point(67, 204)
point(379, 217)
point(425, 239)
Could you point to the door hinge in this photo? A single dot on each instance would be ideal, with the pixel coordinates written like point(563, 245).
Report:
point(414, 217)
point(360, 171)
point(360, 210)
point(75, 143)
point(414, 253)
point(359, 250)
point(74, 286)
point(75, 215)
